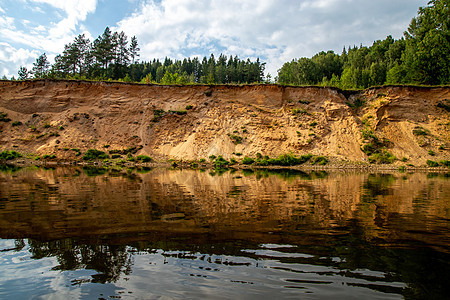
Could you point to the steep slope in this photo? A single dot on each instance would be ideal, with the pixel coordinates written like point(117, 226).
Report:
point(192, 122)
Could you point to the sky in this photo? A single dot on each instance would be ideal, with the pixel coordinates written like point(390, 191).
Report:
point(276, 31)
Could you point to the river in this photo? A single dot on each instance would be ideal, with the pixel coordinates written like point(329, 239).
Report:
point(95, 233)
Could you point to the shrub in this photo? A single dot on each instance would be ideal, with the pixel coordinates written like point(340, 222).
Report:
point(16, 123)
point(202, 160)
point(431, 152)
point(236, 139)
point(432, 164)
point(382, 157)
point(188, 107)
point(178, 112)
point(304, 101)
point(54, 134)
point(113, 156)
point(233, 161)
point(445, 163)
point(212, 157)
point(158, 114)
point(313, 124)
point(356, 104)
point(4, 117)
point(144, 158)
point(289, 159)
point(9, 155)
point(220, 162)
point(92, 154)
point(61, 127)
point(47, 156)
point(46, 125)
point(319, 160)
point(247, 160)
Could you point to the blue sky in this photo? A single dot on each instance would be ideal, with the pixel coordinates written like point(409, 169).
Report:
point(276, 31)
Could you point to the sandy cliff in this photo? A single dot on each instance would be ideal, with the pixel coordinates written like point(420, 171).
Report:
point(192, 122)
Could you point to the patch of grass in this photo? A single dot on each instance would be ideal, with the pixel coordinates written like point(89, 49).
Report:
point(49, 156)
point(247, 160)
point(158, 114)
point(445, 163)
point(298, 111)
point(144, 158)
point(418, 130)
point(32, 128)
point(382, 157)
point(431, 152)
point(9, 155)
point(319, 160)
point(54, 134)
point(93, 154)
point(304, 101)
point(432, 164)
point(16, 123)
point(220, 162)
point(178, 112)
point(202, 160)
point(313, 124)
point(46, 125)
point(188, 107)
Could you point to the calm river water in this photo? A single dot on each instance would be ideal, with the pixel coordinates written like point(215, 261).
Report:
point(85, 233)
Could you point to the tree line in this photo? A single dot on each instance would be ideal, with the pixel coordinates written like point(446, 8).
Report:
point(420, 57)
point(110, 57)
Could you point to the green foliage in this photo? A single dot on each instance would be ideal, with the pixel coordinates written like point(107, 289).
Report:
point(16, 123)
point(420, 131)
point(444, 105)
point(188, 107)
point(49, 156)
point(356, 104)
point(432, 164)
point(289, 159)
point(319, 160)
point(93, 154)
point(114, 156)
point(4, 117)
point(178, 112)
point(236, 139)
point(382, 157)
point(9, 155)
point(144, 158)
point(431, 152)
point(212, 157)
point(247, 160)
point(298, 111)
point(46, 125)
point(445, 163)
point(313, 124)
point(220, 162)
point(202, 160)
point(420, 57)
point(158, 114)
point(304, 101)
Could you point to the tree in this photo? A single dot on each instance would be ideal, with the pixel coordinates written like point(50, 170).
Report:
point(23, 73)
point(134, 50)
point(428, 44)
point(40, 67)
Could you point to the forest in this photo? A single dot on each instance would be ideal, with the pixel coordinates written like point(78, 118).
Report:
point(421, 56)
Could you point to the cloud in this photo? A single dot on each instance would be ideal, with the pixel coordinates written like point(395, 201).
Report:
point(11, 58)
point(275, 30)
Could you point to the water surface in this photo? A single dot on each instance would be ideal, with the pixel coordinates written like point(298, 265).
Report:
point(88, 233)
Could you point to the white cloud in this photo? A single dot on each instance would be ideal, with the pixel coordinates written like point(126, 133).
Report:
point(11, 58)
point(275, 30)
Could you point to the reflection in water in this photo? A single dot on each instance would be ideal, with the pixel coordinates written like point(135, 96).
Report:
point(96, 233)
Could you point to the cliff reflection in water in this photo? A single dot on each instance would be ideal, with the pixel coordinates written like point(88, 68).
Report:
point(76, 202)
point(98, 219)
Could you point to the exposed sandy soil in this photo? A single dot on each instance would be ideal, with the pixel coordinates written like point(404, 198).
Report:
point(95, 114)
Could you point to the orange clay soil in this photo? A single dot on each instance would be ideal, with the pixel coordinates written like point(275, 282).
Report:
point(193, 122)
